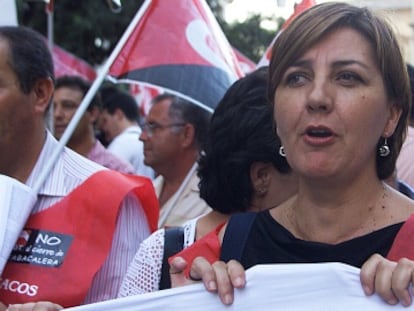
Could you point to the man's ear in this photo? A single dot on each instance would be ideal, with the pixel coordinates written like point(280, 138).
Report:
point(94, 113)
point(42, 94)
point(188, 134)
point(119, 114)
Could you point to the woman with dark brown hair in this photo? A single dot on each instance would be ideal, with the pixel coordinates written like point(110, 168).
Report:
point(341, 97)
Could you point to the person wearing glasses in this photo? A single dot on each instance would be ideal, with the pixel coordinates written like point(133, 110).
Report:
point(119, 125)
point(173, 135)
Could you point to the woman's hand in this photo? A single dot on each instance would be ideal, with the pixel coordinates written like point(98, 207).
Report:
point(390, 280)
point(218, 277)
point(35, 306)
point(177, 274)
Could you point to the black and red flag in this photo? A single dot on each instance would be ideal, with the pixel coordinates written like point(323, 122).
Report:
point(179, 46)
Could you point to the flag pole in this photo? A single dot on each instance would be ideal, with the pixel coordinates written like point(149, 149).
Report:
point(49, 14)
point(88, 97)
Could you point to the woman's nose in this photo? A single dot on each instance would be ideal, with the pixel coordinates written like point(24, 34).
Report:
point(320, 98)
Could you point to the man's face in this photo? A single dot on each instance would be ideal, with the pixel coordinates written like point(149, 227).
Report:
point(108, 125)
point(66, 101)
point(17, 110)
point(162, 144)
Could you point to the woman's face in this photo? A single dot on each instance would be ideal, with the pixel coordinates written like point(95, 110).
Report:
point(331, 108)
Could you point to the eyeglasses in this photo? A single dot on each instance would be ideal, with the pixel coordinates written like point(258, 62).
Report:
point(151, 127)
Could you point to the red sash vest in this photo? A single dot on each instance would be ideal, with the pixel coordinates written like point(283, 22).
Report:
point(61, 248)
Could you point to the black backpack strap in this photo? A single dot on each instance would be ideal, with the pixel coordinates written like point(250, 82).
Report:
point(173, 243)
point(235, 237)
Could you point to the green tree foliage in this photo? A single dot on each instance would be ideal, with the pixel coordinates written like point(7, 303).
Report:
point(217, 7)
point(90, 30)
point(250, 37)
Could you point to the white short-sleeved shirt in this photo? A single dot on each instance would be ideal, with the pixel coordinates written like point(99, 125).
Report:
point(128, 147)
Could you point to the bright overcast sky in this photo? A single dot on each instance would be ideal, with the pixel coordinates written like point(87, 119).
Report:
point(238, 10)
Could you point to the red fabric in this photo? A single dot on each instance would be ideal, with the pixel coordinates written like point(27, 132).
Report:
point(403, 245)
point(68, 64)
point(144, 95)
point(298, 9)
point(49, 6)
point(191, 35)
point(208, 247)
point(86, 222)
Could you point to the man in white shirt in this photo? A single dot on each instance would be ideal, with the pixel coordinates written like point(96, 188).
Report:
point(119, 124)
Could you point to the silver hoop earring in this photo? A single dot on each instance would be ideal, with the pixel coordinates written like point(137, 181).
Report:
point(282, 151)
point(384, 149)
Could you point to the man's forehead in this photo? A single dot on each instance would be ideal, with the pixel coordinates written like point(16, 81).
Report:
point(160, 109)
point(72, 93)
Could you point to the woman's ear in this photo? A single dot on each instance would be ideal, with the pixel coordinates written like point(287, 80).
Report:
point(260, 177)
point(392, 122)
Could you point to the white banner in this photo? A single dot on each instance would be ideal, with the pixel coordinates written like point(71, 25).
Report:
point(8, 15)
point(293, 287)
point(16, 202)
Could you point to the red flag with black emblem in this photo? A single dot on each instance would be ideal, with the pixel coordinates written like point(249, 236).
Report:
point(299, 8)
point(179, 46)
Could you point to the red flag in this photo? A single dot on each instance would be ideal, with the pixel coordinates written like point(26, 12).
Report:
point(179, 46)
point(143, 95)
point(299, 8)
point(49, 6)
point(68, 64)
point(246, 64)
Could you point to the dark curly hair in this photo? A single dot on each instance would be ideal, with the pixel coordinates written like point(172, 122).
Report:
point(241, 133)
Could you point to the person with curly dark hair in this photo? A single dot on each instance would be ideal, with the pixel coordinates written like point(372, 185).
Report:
point(240, 170)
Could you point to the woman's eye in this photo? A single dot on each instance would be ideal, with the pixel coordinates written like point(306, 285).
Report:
point(295, 79)
point(349, 77)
